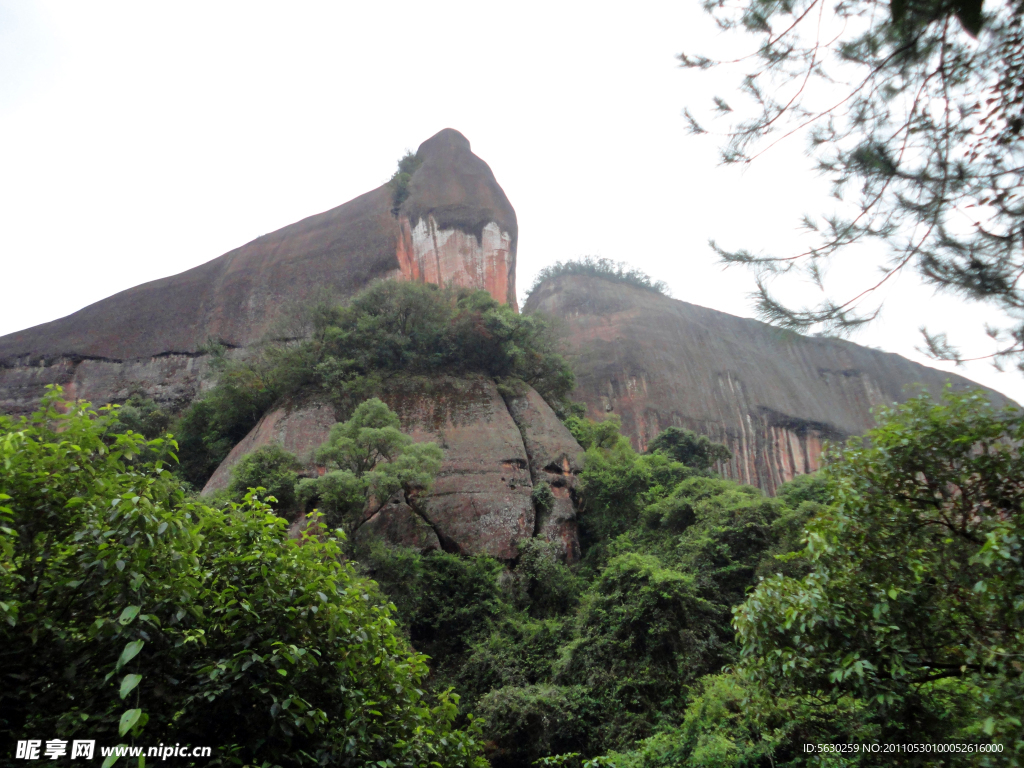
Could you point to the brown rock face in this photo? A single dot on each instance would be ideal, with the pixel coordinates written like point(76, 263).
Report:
point(555, 458)
point(481, 500)
point(398, 523)
point(299, 430)
point(772, 396)
point(455, 226)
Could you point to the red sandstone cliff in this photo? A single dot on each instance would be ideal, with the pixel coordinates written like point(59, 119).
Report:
point(772, 396)
point(455, 226)
point(494, 454)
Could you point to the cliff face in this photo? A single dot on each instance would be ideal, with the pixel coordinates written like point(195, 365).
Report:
point(455, 226)
point(494, 454)
point(772, 396)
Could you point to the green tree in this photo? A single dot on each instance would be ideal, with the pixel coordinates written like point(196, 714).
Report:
point(135, 614)
point(368, 460)
point(689, 448)
point(913, 604)
point(272, 468)
point(916, 109)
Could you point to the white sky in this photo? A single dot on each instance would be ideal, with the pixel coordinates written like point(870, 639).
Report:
point(139, 140)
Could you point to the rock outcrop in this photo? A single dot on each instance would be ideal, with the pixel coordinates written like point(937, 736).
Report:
point(456, 225)
point(554, 458)
point(494, 453)
point(772, 396)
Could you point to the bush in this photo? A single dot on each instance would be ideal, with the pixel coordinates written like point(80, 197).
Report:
point(912, 602)
point(531, 722)
point(133, 613)
point(272, 468)
point(399, 182)
point(141, 414)
point(643, 635)
point(547, 587)
point(689, 448)
point(446, 601)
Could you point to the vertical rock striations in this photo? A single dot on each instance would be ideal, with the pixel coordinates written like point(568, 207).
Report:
point(773, 396)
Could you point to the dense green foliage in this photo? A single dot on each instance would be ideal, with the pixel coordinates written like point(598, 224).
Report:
point(141, 414)
point(392, 329)
point(603, 268)
point(877, 603)
point(594, 657)
point(367, 458)
point(135, 614)
point(689, 448)
point(271, 468)
point(914, 604)
point(899, 622)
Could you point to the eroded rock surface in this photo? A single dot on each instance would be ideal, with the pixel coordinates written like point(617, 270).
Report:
point(398, 523)
point(480, 502)
point(298, 429)
point(555, 458)
point(481, 499)
point(774, 397)
point(455, 226)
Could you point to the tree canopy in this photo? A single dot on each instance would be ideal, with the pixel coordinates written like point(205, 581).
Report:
point(913, 604)
point(368, 458)
point(135, 614)
point(915, 110)
point(898, 622)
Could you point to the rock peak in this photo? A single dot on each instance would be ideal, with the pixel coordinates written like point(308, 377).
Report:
point(447, 140)
point(454, 226)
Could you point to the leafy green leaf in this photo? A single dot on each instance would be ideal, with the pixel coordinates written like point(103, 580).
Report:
point(128, 684)
point(128, 719)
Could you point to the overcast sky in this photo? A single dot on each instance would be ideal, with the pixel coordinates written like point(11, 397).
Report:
point(139, 140)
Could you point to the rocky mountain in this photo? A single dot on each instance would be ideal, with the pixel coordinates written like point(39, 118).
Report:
point(454, 225)
point(772, 396)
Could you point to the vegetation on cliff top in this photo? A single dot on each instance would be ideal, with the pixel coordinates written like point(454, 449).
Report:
point(392, 329)
point(399, 182)
point(606, 269)
point(135, 614)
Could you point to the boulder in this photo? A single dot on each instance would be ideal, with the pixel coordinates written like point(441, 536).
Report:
point(397, 523)
point(298, 429)
point(480, 502)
